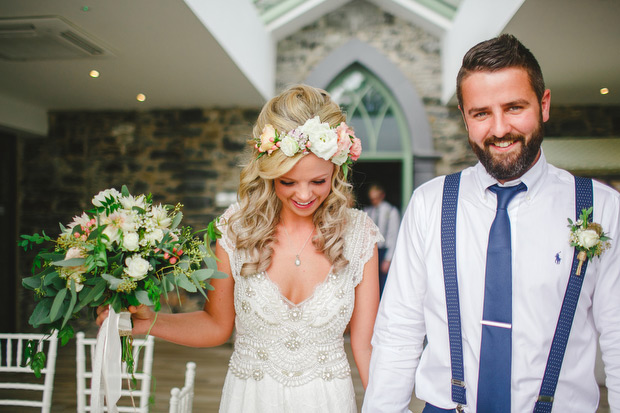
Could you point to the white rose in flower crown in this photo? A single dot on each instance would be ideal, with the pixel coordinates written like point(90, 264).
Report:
point(107, 193)
point(131, 241)
point(289, 146)
point(137, 267)
point(323, 140)
point(587, 238)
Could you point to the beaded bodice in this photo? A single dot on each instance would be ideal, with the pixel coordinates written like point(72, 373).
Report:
point(296, 343)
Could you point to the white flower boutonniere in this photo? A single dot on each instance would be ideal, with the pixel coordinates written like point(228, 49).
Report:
point(588, 238)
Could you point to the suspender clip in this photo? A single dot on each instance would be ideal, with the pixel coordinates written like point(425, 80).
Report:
point(545, 399)
point(459, 383)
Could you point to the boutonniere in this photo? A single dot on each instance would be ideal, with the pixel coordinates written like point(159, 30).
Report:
point(588, 238)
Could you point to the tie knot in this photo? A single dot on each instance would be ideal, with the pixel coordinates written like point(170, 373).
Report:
point(506, 193)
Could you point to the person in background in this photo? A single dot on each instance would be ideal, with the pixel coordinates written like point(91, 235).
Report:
point(511, 297)
point(387, 218)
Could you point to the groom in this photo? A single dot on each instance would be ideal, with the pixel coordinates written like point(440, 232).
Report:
point(490, 318)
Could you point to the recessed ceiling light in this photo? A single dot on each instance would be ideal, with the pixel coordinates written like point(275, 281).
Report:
point(141, 97)
point(604, 91)
point(94, 73)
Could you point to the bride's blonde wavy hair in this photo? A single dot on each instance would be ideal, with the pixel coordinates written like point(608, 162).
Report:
point(252, 227)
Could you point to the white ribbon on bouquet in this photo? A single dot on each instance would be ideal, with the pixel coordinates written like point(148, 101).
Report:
point(106, 379)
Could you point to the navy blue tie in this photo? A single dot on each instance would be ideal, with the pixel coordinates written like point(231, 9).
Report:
point(496, 347)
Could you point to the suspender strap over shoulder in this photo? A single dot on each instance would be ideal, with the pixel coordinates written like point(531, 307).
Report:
point(583, 200)
point(448, 254)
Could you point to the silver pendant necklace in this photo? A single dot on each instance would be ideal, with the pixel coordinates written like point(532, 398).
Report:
point(297, 260)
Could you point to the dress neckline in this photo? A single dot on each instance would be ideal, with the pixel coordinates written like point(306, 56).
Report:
point(300, 304)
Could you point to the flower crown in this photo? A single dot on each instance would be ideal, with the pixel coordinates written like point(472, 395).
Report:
point(338, 145)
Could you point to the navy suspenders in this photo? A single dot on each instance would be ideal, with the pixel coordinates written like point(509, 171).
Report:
point(584, 200)
point(448, 255)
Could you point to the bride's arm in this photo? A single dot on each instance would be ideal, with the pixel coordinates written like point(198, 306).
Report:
point(364, 314)
point(209, 327)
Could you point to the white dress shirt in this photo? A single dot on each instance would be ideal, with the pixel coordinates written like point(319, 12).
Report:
point(387, 218)
point(414, 305)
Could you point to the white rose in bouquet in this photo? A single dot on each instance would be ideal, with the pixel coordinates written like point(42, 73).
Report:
point(105, 194)
point(131, 241)
point(137, 267)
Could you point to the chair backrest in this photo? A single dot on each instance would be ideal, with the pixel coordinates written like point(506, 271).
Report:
point(20, 382)
point(181, 400)
point(137, 394)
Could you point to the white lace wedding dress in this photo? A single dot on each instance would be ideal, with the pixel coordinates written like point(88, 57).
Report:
point(290, 357)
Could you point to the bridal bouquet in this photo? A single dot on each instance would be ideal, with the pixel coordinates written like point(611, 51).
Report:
point(124, 251)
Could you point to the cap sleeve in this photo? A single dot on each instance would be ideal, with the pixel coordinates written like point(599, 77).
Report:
point(362, 236)
point(226, 241)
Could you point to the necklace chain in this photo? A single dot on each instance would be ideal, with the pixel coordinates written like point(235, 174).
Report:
point(297, 259)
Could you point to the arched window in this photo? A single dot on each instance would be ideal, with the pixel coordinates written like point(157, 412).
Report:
point(380, 124)
point(387, 114)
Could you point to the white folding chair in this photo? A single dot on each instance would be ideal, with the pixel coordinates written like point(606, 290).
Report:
point(181, 400)
point(143, 365)
point(11, 352)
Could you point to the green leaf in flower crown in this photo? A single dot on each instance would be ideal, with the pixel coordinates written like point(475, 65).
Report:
point(69, 311)
point(112, 281)
point(60, 297)
point(176, 221)
point(125, 191)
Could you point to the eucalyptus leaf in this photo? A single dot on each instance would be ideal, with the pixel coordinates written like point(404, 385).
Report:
point(112, 281)
point(219, 275)
point(185, 283)
point(32, 282)
point(51, 278)
point(87, 295)
point(41, 312)
point(125, 191)
point(176, 221)
point(71, 262)
point(60, 297)
point(143, 297)
point(201, 275)
point(69, 311)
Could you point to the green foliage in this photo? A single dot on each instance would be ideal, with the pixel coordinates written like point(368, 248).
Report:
point(87, 265)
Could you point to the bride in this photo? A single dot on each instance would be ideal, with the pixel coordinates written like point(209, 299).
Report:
point(303, 268)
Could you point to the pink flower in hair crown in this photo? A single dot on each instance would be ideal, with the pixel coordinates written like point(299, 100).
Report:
point(268, 139)
point(338, 145)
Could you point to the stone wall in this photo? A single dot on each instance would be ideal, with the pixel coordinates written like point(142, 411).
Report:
point(185, 156)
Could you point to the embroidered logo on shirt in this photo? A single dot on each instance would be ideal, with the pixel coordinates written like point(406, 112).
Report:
point(558, 258)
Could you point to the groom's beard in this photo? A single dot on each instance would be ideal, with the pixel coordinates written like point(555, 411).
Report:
point(505, 167)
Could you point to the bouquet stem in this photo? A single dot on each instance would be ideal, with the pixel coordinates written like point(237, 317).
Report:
point(125, 333)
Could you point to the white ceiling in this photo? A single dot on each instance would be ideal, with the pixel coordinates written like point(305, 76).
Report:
point(162, 49)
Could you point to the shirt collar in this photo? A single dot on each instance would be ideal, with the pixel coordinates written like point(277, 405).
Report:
point(532, 178)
